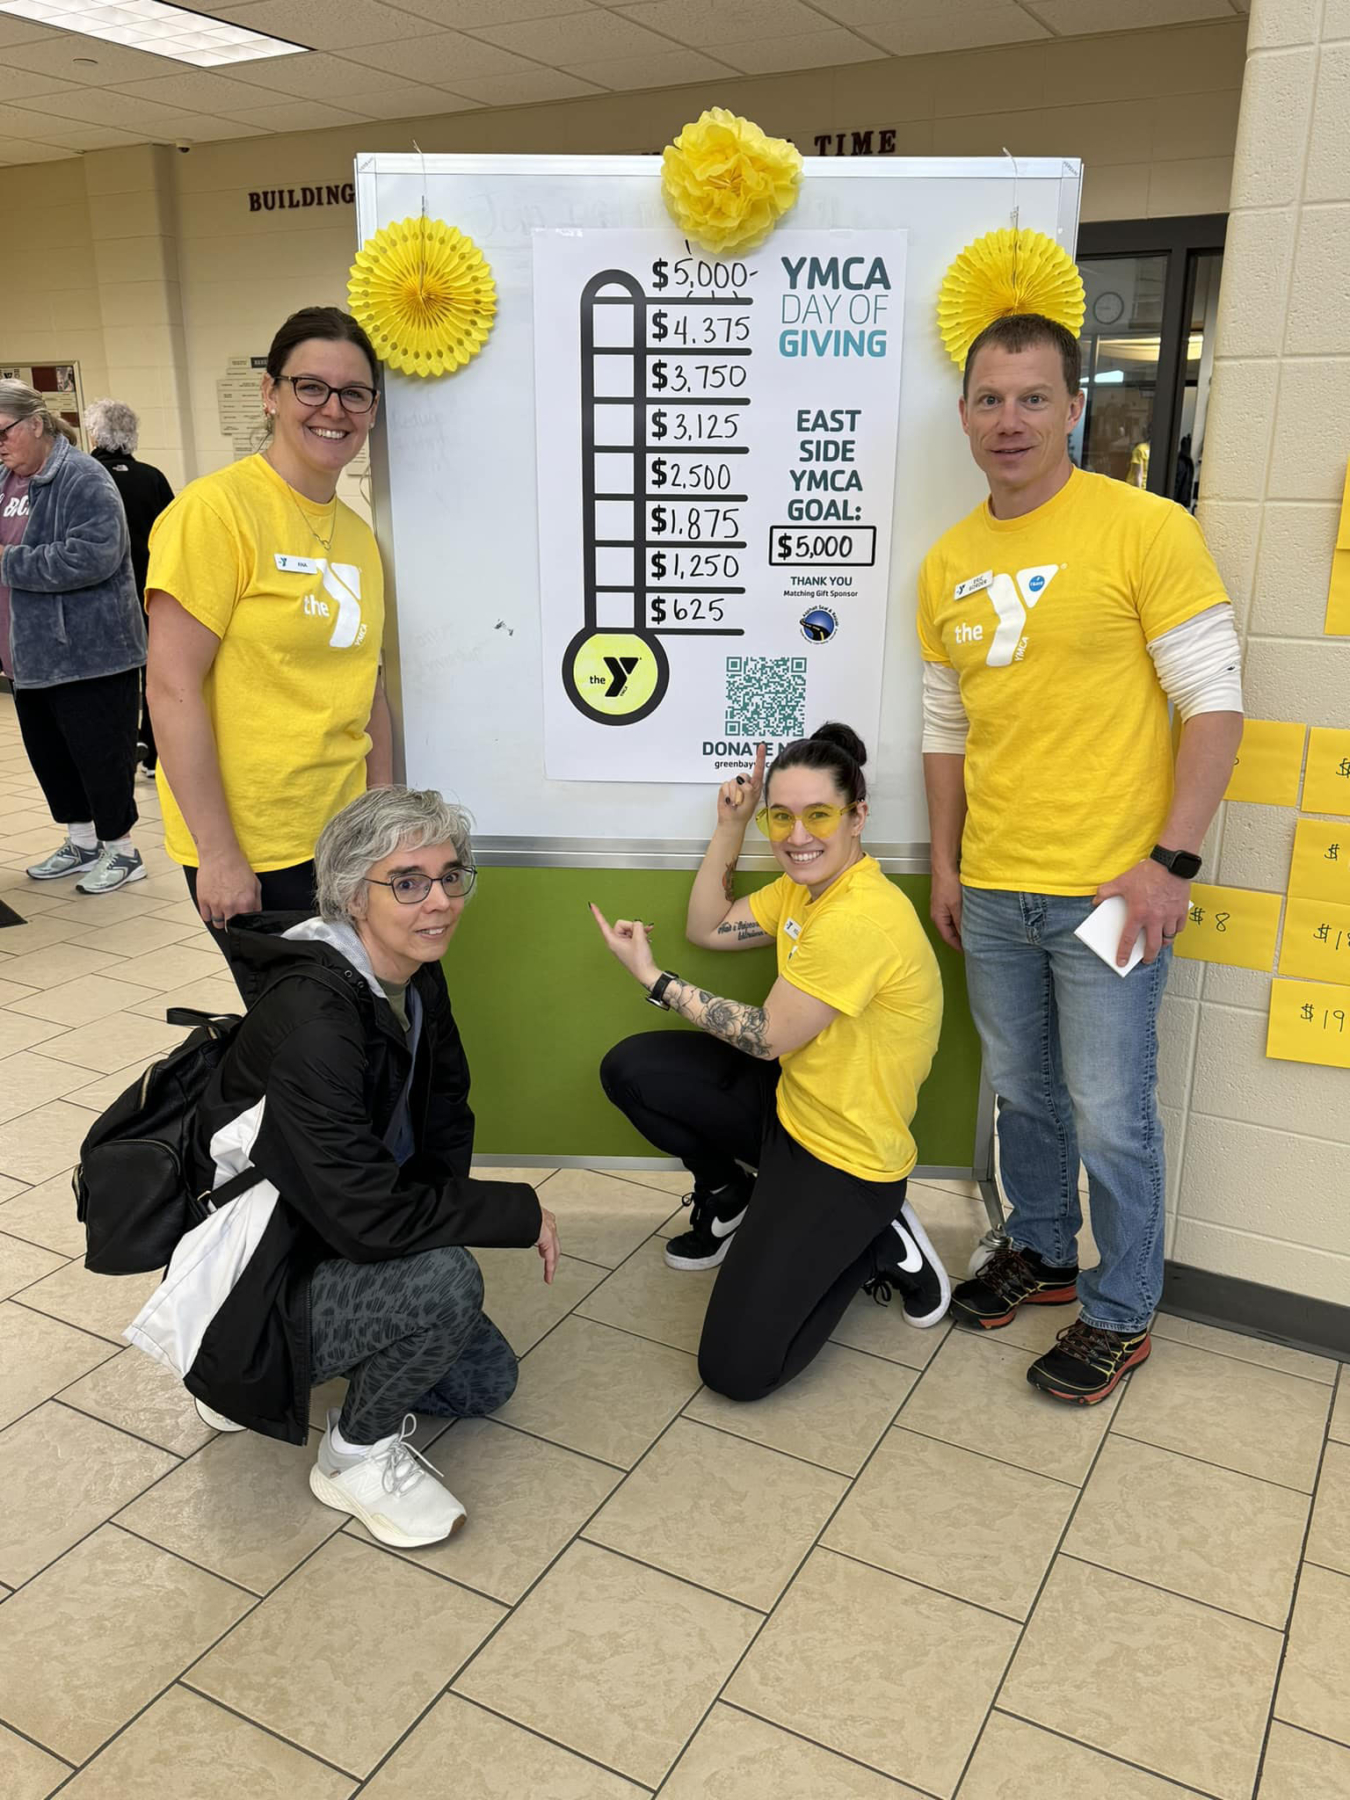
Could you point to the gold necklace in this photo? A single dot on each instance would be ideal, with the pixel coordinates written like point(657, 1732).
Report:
point(310, 527)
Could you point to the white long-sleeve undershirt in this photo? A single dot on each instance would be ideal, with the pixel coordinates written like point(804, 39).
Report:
point(1198, 663)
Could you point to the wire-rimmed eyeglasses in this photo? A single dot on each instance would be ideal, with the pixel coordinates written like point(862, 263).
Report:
point(412, 890)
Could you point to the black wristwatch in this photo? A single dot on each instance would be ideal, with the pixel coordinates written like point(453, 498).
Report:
point(1184, 863)
point(656, 993)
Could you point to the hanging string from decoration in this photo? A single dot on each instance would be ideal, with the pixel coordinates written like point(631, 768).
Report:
point(726, 184)
point(1009, 271)
point(424, 294)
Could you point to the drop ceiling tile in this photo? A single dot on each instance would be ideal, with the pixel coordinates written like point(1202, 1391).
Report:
point(575, 36)
point(445, 60)
point(963, 27)
point(325, 24)
point(297, 115)
point(71, 136)
point(809, 50)
point(105, 106)
point(201, 90)
point(668, 68)
point(15, 151)
point(23, 85)
point(526, 88)
point(1076, 18)
point(468, 15)
point(708, 23)
point(24, 31)
point(202, 128)
point(408, 101)
point(320, 76)
point(88, 61)
point(27, 122)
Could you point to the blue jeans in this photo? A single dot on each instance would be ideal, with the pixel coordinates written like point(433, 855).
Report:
point(1071, 1050)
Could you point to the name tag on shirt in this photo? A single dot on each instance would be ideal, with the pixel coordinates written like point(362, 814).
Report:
point(792, 928)
point(976, 585)
point(298, 565)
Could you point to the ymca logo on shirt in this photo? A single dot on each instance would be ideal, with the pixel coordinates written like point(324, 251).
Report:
point(1012, 598)
point(342, 584)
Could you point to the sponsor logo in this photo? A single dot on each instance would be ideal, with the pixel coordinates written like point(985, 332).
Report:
point(819, 625)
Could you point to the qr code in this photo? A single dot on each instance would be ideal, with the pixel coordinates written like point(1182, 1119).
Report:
point(766, 696)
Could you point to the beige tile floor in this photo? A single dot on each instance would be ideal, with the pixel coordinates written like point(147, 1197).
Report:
point(908, 1575)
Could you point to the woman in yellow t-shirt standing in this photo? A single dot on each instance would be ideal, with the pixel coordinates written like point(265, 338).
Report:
point(814, 1090)
point(266, 604)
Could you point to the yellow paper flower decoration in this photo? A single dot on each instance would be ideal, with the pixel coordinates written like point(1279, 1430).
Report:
point(1007, 272)
point(726, 184)
point(425, 296)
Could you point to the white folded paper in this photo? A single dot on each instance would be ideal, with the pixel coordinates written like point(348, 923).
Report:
point(1101, 930)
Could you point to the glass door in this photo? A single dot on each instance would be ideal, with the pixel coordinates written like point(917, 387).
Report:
point(1152, 290)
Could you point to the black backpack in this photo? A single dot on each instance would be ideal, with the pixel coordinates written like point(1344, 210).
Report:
point(133, 1191)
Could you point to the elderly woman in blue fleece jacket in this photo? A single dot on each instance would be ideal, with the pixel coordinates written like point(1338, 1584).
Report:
point(76, 640)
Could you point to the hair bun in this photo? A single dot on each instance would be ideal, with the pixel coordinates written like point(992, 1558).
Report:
point(844, 738)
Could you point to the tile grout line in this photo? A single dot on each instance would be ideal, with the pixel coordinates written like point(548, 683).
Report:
point(1124, 1761)
point(268, 1730)
point(1287, 1633)
point(843, 1755)
point(1226, 1612)
point(1286, 1486)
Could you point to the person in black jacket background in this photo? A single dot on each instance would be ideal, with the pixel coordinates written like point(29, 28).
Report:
point(114, 432)
point(347, 1089)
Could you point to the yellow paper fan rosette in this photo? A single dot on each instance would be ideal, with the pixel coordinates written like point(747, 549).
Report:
point(425, 296)
point(1007, 272)
point(726, 184)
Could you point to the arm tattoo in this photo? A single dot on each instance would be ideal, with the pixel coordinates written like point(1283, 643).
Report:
point(743, 1027)
point(729, 881)
point(744, 930)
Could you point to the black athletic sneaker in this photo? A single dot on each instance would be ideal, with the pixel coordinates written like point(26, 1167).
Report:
point(713, 1218)
point(913, 1269)
point(1087, 1362)
point(1011, 1278)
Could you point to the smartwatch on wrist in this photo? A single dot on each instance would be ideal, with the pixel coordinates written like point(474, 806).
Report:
point(656, 993)
point(1183, 863)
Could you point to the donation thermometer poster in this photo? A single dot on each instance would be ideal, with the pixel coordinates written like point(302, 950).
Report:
point(716, 448)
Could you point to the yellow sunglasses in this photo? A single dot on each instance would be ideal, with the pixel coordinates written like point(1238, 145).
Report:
point(776, 822)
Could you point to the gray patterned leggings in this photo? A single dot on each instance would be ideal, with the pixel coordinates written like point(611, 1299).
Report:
point(413, 1337)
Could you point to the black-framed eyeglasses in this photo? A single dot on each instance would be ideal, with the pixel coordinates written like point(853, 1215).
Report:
point(12, 426)
point(310, 391)
point(412, 890)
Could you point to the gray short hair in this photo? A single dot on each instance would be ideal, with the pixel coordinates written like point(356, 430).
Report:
point(376, 824)
point(112, 425)
point(24, 402)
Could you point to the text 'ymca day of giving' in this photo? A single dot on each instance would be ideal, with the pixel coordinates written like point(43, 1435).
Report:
point(716, 446)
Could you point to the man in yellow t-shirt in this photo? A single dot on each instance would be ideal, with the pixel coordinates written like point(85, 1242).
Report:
point(1057, 621)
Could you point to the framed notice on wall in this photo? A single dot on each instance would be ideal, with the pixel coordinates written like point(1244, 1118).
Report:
point(58, 383)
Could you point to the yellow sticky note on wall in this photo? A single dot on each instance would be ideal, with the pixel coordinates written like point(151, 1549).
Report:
point(1326, 781)
point(1269, 762)
point(1321, 866)
point(1338, 594)
point(1316, 940)
point(1310, 1023)
point(1236, 926)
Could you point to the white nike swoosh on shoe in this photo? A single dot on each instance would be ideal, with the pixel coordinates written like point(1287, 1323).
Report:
point(913, 1260)
point(721, 1228)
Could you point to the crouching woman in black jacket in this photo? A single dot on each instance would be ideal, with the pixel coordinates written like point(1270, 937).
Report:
point(347, 1090)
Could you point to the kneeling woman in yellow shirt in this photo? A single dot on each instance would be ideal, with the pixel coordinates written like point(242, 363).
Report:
point(814, 1090)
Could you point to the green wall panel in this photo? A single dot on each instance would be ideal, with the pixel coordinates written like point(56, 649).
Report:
point(539, 1000)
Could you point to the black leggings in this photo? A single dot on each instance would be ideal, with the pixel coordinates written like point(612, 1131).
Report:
point(81, 741)
point(811, 1234)
point(283, 890)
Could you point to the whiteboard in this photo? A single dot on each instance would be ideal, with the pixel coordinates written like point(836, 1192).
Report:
point(456, 509)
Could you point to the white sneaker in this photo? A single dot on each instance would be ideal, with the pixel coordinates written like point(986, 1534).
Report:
point(112, 870)
point(217, 1421)
point(70, 859)
point(390, 1487)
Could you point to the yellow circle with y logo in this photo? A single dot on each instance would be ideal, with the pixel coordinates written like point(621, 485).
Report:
point(615, 677)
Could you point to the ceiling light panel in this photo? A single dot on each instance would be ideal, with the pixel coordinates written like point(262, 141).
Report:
point(155, 27)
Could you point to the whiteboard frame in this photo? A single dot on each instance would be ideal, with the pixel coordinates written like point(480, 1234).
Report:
point(589, 851)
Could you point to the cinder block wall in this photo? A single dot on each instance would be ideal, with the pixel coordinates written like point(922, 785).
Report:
point(1261, 1150)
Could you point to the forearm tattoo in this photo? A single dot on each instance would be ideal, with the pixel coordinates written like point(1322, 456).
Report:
point(729, 881)
point(743, 930)
point(743, 1027)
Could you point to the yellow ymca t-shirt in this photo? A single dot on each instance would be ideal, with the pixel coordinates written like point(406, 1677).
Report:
point(849, 1095)
point(295, 593)
point(1047, 621)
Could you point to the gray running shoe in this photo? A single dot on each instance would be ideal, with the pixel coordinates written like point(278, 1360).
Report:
point(112, 870)
point(68, 860)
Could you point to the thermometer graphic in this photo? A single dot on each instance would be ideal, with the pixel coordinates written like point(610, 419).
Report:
point(615, 670)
